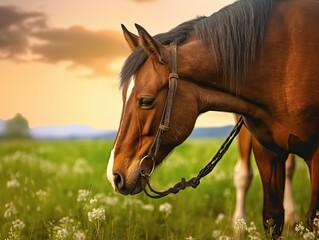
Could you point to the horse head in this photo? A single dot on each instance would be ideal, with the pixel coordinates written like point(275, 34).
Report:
point(138, 146)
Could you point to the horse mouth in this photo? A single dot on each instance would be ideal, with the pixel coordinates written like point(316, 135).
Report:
point(138, 187)
point(133, 189)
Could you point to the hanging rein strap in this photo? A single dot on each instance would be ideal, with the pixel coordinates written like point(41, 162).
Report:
point(195, 181)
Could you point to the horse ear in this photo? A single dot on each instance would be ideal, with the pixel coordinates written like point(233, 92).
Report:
point(131, 38)
point(154, 48)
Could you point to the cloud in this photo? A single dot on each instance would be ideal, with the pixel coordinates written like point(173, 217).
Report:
point(95, 50)
point(27, 32)
point(15, 26)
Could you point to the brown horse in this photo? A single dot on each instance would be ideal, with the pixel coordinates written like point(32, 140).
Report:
point(256, 58)
point(243, 174)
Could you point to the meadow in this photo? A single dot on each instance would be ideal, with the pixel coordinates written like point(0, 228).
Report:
point(58, 190)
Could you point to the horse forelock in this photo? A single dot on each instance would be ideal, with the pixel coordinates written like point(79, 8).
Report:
point(234, 33)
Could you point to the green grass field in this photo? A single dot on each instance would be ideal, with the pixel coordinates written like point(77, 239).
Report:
point(58, 190)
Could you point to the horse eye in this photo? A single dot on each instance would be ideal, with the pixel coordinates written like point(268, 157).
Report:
point(146, 102)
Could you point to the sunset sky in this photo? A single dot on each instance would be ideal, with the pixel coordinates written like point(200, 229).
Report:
point(60, 59)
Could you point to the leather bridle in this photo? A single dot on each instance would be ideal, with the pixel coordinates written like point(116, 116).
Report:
point(164, 126)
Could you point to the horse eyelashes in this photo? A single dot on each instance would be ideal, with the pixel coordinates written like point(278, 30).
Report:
point(146, 102)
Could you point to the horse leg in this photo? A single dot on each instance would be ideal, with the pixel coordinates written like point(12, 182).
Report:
point(291, 217)
point(313, 163)
point(271, 167)
point(242, 173)
point(242, 177)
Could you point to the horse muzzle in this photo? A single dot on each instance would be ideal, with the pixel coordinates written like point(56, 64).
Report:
point(125, 187)
point(132, 181)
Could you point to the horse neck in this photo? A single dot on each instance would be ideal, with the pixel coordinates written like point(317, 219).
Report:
point(197, 64)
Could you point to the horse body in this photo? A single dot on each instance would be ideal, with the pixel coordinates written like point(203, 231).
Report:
point(285, 70)
point(269, 75)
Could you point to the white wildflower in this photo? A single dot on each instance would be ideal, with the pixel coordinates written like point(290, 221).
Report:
point(13, 235)
point(93, 201)
point(252, 227)
point(61, 233)
point(15, 230)
point(148, 207)
point(83, 195)
point(304, 232)
point(190, 238)
point(216, 234)
point(240, 224)
point(41, 194)
point(316, 221)
point(309, 235)
point(66, 221)
point(252, 232)
point(224, 237)
point(18, 225)
point(166, 209)
point(97, 214)
point(10, 210)
point(13, 183)
point(254, 237)
point(67, 228)
point(220, 217)
point(79, 235)
point(300, 228)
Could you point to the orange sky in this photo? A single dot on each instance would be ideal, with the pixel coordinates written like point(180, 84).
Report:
point(59, 60)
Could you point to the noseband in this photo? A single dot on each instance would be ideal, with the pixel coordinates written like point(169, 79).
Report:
point(164, 124)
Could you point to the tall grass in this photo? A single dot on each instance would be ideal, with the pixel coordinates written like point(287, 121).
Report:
point(58, 190)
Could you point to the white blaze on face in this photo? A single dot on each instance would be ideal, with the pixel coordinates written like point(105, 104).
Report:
point(109, 171)
point(130, 89)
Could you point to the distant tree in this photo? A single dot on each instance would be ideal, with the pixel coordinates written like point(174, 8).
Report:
point(16, 127)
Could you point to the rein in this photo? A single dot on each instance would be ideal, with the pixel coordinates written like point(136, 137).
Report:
point(195, 181)
point(164, 126)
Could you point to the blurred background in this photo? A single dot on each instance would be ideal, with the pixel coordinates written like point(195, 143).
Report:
point(60, 60)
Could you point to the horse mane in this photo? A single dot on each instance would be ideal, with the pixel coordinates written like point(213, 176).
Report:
point(234, 33)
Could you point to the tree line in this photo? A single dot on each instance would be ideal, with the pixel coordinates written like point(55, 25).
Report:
point(16, 128)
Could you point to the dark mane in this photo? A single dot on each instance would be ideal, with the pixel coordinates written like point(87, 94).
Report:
point(235, 33)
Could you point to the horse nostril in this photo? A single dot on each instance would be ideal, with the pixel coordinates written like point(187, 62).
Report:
point(118, 180)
